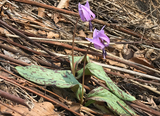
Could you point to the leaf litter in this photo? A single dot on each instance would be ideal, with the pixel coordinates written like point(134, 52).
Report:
point(119, 95)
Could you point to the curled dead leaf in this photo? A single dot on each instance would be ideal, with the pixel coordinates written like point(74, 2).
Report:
point(51, 35)
point(151, 54)
point(127, 53)
point(139, 58)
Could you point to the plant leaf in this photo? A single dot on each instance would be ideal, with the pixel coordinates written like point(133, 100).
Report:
point(77, 60)
point(113, 102)
point(44, 76)
point(96, 70)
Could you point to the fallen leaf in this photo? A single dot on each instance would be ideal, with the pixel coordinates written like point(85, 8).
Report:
point(127, 53)
point(151, 54)
point(3, 31)
point(141, 60)
point(30, 18)
point(140, 53)
point(111, 62)
point(51, 35)
point(2, 73)
point(41, 32)
point(41, 12)
point(40, 109)
point(56, 18)
point(68, 51)
point(119, 47)
point(32, 31)
point(82, 34)
point(62, 4)
point(75, 107)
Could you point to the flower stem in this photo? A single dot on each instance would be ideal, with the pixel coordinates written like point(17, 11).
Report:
point(85, 59)
point(75, 28)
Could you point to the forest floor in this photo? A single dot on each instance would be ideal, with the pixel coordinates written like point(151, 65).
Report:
point(40, 33)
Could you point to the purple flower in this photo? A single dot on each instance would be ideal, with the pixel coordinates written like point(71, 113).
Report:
point(85, 13)
point(99, 37)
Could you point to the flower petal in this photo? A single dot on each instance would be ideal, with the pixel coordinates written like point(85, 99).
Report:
point(97, 43)
point(99, 46)
point(89, 13)
point(87, 4)
point(95, 33)
point(81, 13)
point(86, 13)
point(79, 7)
point(103, 36)
point(103, 27)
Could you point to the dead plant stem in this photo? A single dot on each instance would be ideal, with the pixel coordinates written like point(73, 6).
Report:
point(75, 28)
point(85, 59)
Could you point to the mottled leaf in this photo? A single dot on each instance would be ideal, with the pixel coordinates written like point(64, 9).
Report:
point(113, 102)
point(96, 70)
point(77, 60)
point(43, 76)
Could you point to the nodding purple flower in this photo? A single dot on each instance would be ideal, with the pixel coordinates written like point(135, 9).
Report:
point(99, 37)
point(86, 14)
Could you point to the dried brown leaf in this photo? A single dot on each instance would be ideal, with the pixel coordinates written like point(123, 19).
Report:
point(42, 32)
point(151, 54)
point(40, 109)
point(68, 51)
point(82, 34)
point(118, 47)
point(142, 60)
point(127, 53)
point(32, 31)
point(75, 107)
point(51, 35)
point(114, 63)
point(139, 58)
point(3, 31)
point(41, 12)
point(63, 4)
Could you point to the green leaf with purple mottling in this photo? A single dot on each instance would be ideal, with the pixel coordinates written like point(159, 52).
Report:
point(113, 102)
point(98, 71)
point(77, 60)
point(44, 76)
